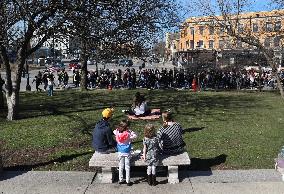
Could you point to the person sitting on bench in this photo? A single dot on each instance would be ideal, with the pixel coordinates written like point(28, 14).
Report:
point(170, 135)
point(103, 141)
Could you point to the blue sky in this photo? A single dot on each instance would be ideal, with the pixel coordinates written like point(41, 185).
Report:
point(256, 5)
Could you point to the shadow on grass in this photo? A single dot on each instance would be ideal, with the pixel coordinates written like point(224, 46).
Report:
point(61, 159)
point(199, 164)
point(193, 129)
point(36, 105)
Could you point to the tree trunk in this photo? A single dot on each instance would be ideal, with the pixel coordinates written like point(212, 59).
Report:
point(13, 94)
point(84, 73)
point(269, 57)
point(1, 99)
point(12, 104)
point(279, 85)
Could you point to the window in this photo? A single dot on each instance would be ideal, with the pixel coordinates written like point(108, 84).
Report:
point(187, 44)
point(211, 30)
point(241, 28)
point(269, 27)
point(200, 44)
point(239, 44)
point(267, 42)
point(201, 30)
point(277, 41)
point(211, 44)
point(192, 30)
point(255, 27)
point(191, 44)
point(221, 44)
point(181, 45)
point(222, 30)
point(277, 26)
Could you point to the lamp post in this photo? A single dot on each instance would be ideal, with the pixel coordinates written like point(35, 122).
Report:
point(193, 34)
point(28, 87)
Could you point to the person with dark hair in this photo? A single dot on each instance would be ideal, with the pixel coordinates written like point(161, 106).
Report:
point(103, 141)
point(170, 135)
point(139, 106)
point(37, 80)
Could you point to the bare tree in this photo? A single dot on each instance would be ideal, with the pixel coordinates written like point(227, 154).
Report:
point(232, 21)
point(21, 21)
point(97, 23)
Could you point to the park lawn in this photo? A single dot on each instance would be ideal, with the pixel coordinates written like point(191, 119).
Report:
point(224, 130)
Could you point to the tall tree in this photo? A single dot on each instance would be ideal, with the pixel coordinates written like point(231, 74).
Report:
point(21, 21)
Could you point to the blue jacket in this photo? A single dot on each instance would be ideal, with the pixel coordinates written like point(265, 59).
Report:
point(103, 137)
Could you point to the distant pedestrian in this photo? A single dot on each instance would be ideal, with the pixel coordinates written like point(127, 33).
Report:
point(50, 83)
point(37, 81)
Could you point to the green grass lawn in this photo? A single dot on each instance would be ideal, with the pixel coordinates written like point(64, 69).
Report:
point(225, 130)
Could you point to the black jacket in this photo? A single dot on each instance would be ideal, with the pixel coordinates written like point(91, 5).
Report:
point(103, 137)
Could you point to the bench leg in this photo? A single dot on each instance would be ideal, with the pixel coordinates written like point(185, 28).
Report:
point(107, 175)
point(173, 174)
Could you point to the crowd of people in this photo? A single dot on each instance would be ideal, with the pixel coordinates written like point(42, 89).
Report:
point(181, 78)
point(163, 78)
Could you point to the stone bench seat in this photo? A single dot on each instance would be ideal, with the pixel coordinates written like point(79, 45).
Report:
point(108, 163)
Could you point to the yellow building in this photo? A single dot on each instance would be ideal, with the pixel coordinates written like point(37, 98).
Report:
point(210, 33)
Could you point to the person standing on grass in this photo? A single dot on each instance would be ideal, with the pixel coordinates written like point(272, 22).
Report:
point(124, 136)
point(150, 153)
point(37, 80)
point(170, 135)
point(103, 141)
point(50, 83)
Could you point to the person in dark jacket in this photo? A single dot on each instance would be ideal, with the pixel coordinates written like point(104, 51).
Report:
point(103, 141)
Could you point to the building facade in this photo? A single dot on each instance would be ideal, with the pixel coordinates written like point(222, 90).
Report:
point(211, 32)
point(209, 35)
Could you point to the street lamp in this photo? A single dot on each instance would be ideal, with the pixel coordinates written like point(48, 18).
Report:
point(28, 87)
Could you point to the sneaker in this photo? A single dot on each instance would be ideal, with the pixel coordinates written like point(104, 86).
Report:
point(125, 111)
point(121, 182)
point(130, 184)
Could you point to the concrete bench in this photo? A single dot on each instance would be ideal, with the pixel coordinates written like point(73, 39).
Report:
point(108, 163)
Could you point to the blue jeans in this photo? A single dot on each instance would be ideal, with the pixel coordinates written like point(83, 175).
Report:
point(50, 90)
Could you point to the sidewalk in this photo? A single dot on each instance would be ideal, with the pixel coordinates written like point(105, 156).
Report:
point(227, 181)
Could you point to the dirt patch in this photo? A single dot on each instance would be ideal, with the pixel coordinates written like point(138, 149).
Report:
point(40, 158)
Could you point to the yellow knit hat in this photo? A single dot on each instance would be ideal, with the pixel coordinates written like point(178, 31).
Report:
point(107, 113)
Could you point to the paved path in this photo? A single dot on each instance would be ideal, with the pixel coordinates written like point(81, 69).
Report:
point(213, 182)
